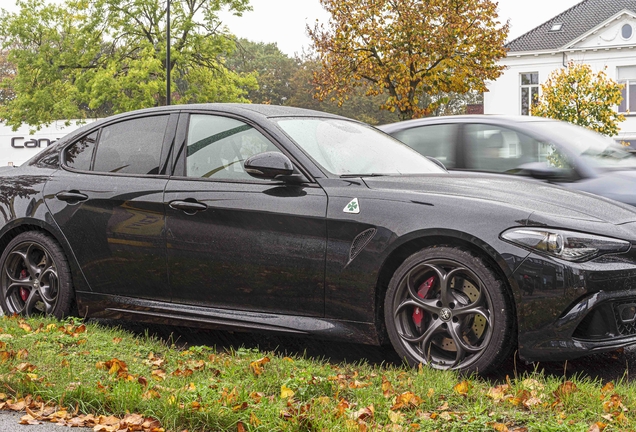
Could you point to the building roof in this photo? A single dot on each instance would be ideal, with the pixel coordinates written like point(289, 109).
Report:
point(576, 21)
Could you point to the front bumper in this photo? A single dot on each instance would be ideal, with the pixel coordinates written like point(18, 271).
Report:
point(567, 310)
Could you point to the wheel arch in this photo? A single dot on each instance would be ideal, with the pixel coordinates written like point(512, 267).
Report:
point(429, 238)
point(19, 226)
point(16, 227)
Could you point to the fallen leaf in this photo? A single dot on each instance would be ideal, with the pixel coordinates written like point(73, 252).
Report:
point(364, 413)
point(462, 388)
point(387, 387)
point(158, 374)
point(257, 365)
point(286, 392)
point(395, 417)
point(26, 327)
point(597, 427)
point(565, 389)
point(499, 392)
point(406, 400)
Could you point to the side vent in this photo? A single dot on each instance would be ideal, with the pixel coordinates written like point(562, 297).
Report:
point(360, 242)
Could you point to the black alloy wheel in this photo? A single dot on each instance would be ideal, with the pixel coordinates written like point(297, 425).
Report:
point(35, 277)
point(445, 308)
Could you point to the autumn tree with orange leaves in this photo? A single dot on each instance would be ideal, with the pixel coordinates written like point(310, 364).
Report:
point(408, 49)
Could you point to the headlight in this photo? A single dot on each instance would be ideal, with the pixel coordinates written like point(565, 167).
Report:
point(567, 245)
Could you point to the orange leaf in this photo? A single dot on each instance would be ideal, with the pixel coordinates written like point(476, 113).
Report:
point(462, 388)
point(566, 388)
point(387, 387)
point(257, 365)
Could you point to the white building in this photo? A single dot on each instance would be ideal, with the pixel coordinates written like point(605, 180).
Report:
point(601, 33)
point(16, 147)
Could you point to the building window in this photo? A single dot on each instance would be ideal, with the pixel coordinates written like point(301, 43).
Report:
point(556, 27)
point(529, 91)
point(627, 31)
point(627, 77)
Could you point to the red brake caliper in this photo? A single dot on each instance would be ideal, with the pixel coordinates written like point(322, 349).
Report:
point(422, 292)
point(24, 293)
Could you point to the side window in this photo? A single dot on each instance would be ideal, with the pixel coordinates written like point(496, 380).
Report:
point(498, 149)
point(131, 146)
point(438, 141)
point(79, 155)
point(218, 146)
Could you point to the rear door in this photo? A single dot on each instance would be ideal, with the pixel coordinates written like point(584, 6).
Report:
point(108, 202)
point(237, 242)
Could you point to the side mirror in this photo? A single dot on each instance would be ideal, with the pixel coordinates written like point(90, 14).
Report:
point(437, 162)
point(541, 171)
point(269, 166)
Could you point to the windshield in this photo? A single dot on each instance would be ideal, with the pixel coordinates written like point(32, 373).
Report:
point(598, 149)
point(349, 148)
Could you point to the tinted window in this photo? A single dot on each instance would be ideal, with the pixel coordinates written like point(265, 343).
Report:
point(218, 146)
point(498, 149)
point(132, 146)
point(79, 155)
point(437, 141)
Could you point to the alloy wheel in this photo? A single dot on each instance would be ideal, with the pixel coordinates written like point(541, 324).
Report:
point(442, 314)
point(30, 283)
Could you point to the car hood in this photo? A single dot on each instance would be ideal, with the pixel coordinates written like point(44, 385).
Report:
point(535, 197)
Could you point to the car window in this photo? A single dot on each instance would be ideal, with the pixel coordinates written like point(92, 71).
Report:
point(499, 149)
point(79, 155)
point(349, 148)
point(217, 147)
point(131, 146)
point(438, 141)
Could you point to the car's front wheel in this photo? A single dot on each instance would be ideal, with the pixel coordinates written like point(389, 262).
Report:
point(36, 278)
point(445, 308)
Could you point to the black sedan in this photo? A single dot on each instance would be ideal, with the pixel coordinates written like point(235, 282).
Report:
point(544, 149)
point(277, 219)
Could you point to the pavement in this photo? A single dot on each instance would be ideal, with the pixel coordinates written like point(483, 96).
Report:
point(10, 422)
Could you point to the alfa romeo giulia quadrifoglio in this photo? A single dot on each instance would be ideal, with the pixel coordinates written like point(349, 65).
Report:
point(276, 219)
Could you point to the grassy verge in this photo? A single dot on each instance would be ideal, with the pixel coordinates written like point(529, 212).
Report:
point(104, 371)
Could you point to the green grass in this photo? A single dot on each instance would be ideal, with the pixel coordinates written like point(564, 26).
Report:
point(201, 389)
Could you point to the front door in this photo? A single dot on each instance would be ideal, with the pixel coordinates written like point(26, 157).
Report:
point(237, 242)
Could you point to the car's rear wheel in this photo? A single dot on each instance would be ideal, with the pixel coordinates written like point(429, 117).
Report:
point(445, 308)
point(36, 278)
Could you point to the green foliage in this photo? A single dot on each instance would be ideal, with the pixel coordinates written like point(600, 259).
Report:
point(85, 58)
point(274, 68)
point(578, 95)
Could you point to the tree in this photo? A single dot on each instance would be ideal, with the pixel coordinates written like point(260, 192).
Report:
point(274, 68)
point(407, 49)
point(94, 58)
point(577, 95)
point(358, 105)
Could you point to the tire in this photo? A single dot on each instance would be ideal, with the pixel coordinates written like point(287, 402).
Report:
point(36, 279)
point(432, 321)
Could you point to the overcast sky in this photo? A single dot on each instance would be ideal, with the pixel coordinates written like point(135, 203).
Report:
point(284, 21)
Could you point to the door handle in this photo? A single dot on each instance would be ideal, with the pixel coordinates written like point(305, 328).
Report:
point(188, 207)
point(72, 197)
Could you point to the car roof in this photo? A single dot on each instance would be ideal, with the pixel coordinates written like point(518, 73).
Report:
point(251, 111)
point(477, 118)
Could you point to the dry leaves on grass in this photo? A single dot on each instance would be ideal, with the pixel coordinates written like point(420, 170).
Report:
point(37, 412)
point(257, 365)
